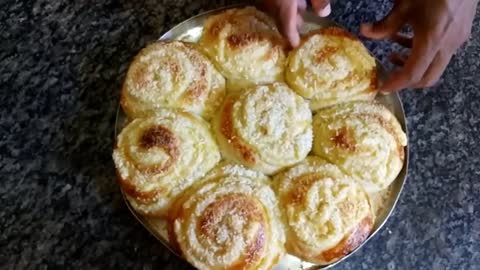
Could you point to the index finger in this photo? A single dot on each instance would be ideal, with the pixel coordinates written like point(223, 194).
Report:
point(288, 23)
point(415, 67)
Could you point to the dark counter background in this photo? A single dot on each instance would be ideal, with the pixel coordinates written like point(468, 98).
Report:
point(61, 67)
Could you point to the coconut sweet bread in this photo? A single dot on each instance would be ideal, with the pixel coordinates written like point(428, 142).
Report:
point(331, 66)
point(364, 139)
point(228, 220)
point(327, 213)
point(265, 128)
point(172, 74)
point(246, 46)
point(158, 157)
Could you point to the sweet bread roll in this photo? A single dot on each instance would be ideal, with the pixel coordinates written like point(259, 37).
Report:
point(331, 66)
point(158, 157)
point(265, 128)
point(327, 213)
point(228, 220)
point(364, 139)
point(172, 75)
point(246, 46)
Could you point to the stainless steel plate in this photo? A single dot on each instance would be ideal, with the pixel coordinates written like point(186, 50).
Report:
point(384, 202)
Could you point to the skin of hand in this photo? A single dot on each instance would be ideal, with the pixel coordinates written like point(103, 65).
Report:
point(288, 14)
point(439, 27)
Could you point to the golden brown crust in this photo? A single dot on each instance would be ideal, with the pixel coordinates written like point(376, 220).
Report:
point(124, 102)
point(331, 66)
point(364, 139)
point(332, 31)
point(350, 242)
point(207, 225)
point(243, 36)
point(159, 136)
point(391, 128)
point(239, 41)
point(226, 128)
point(265, 128)
point(175, 212)
point(327, 214)
point(237, 203)
point(158, 157)
point(144, 197)
point(374, 80)
point(342, 33)
point(342, 139)
point(246, 47)
point(171, 74)
point(229, 220)
point(325, 53)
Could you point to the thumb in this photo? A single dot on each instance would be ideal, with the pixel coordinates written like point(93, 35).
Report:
point(322, 7)
point(388, 26)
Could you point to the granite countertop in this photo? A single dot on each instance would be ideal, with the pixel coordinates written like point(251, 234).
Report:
point(61, 67)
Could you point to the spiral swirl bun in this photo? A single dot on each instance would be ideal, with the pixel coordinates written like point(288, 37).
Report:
point(327, 213)
point(364, 139)
point(158, 157)
point(172, 75)
point(332, 66)
point(265, 128)
point(246, 46)
point(228, 220)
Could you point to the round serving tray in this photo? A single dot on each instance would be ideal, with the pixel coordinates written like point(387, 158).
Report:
point(384, 202)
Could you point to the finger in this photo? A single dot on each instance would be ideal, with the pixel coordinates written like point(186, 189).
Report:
point(402, 39)
point(387, 26)
point(299, 21)
point(415, 67)
point(301, 6)
point(288, 23)
point(398, 59)
point(322, 7)
point(435, 70)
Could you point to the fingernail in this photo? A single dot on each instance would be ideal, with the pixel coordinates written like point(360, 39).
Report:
point(295, 41)
point(325, 11)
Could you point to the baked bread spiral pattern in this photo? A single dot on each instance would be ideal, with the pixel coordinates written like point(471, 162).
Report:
point(331, 66)
point(228, 220)
point(172, 75)
point(246, 46)
point(364, 139)
point(327, 213)
point(158, 157)
point(265, 128)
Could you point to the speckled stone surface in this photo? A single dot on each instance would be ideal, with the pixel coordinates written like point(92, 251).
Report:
point(61, 67)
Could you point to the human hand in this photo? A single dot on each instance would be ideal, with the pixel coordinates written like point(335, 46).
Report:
point(440, 27)
point(288, 14)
